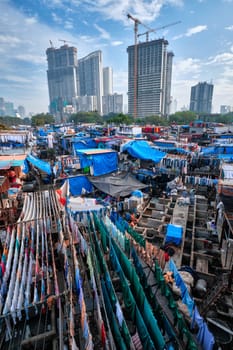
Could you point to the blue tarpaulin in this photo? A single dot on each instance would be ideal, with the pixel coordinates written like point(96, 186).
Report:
point(83, 143)
point(142, 150)
point(79, 183)
point(40, 164)
point(165, 144)
point(174, 234)
point(103, 162)
point(42, 132)
point(220, 149)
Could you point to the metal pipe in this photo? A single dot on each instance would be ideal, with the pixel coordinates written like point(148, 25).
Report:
point(42, 336)
point(227, 330)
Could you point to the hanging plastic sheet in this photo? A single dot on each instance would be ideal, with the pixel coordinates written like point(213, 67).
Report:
point(204, 337)
point(186, 299)
point(40, 164)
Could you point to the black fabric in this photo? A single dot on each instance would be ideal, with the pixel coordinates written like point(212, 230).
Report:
point(117, 185)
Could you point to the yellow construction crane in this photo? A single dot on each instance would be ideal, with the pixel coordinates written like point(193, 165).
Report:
point(156, 29)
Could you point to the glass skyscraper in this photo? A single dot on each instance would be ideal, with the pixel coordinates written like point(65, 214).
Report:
point(62, 77)
point(201, 98)
point(90, 69)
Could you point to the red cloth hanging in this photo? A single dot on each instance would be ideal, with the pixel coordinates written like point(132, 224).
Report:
point(103, 334)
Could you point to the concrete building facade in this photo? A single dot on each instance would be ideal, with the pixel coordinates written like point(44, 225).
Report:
point(112, 104)
point(153, 78)
point(201, 98)
point(62, 76)
point(107, 81)
point(90, 70)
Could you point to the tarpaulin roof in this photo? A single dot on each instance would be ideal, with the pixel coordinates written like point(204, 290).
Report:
point(40, 164)
point(83, 143)
point(142, 150)
point(120, 185)
point(103, 161)
point(217, 150)
point(79, 183)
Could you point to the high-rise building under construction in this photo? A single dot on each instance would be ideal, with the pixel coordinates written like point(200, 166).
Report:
point(149, 78)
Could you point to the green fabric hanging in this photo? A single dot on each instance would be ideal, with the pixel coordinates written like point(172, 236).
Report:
point(140, 298)
point(143, 332)
point(112, 320)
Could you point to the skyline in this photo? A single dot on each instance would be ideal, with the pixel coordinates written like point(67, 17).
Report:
point(202, 43)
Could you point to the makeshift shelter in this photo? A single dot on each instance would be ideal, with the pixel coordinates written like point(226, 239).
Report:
point(99, 161)
point(82, 143)
point(78, 185)
point(141, 149)
point(120, 185)
point(219, 151)
point(38, 163)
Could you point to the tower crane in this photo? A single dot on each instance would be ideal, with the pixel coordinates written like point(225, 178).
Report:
point(51, 44)
point(136, 35)
point(65, 41)
point(136, 23)
point(156, 29)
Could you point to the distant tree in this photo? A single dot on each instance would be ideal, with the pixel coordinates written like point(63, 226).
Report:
point(184, 117)
point(42, 119)
point(224, 118)
point(3, 127)
point(10, 121)
point(152, 120)
point(26, 121)
point(86, 117)
point(120, 119)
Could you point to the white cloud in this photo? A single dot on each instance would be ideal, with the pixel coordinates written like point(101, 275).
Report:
point(31, 20)
point(103, 33)
point(68, 25)
point(17, 79)
point(226, 57)
point(186, 66)
point(191, 31)
point(31, 58)
point(9, 39)
point(56, 18)
point(195, 30)
point(117, 10)
point(121, 84)
point(53, 3)
point(116, 43)
point(229, 28)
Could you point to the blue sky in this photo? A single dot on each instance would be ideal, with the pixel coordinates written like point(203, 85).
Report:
point(202, 43)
